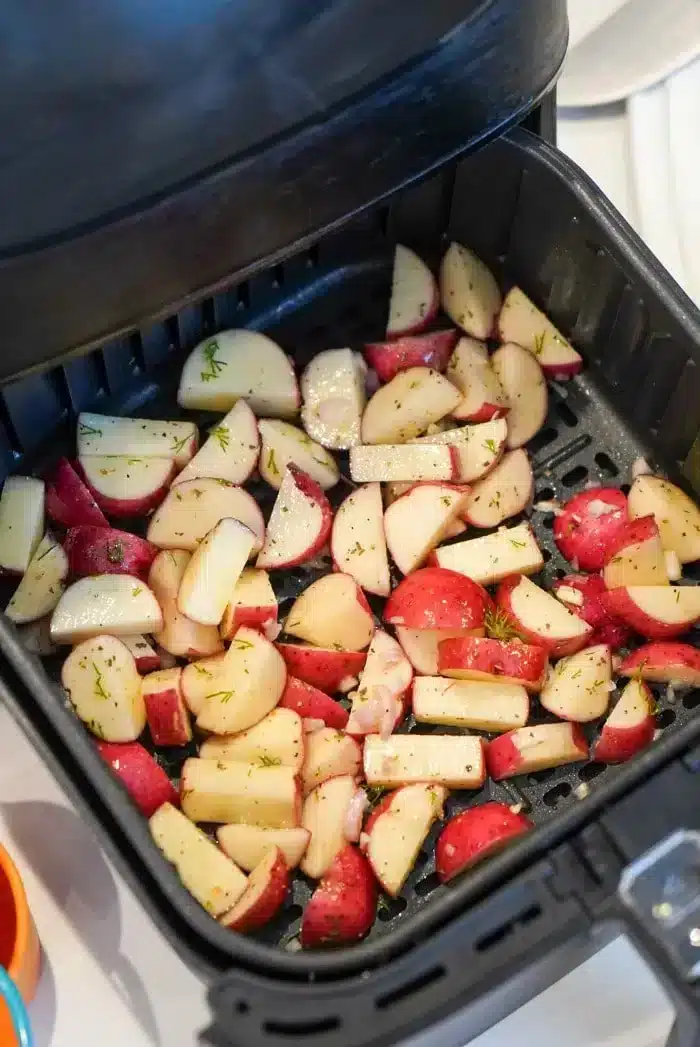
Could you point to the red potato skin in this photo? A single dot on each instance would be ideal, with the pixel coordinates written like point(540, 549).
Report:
point(105, 550)
point(343, 907)
point(167, 718)
point(68, 501)
point(253, 617)
point(486, 412)
point(586, 539)
point(127, 507)
point(312, 704)
point(424, 350)
point(605, 628)
point(147, 663)
point(435, 598)
point(618, 744)
point(664, 663)
point(323, 669)
point(145, 780)
point(509, 661)
point(556, 647)
point(503, 759)
point(619, 605)
point(268, 903)
point(476, 834)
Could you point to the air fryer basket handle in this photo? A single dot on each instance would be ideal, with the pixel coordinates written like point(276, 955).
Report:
point(521, 928)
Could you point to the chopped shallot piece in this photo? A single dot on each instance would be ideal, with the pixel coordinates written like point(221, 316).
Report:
point(548, 507)
point(670, 694)
point(674, 570)
point(352, 827)
point(347, 684)
point(598, 508)
point(567, 594)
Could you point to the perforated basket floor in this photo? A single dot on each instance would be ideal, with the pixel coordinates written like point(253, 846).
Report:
point(337, 295)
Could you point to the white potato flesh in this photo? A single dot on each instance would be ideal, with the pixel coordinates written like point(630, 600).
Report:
point(453, 760)
point(632, 708)
point(119, 604)
point(639, 563)
point(667, 603)
point(284, 444)
point(21, 522)
point(296, 526)
point(468, 291)
point(228, 791)
point(212, 573)
point(208, 874)
point(478, 446)
point(246, 844)
point(100, 434)
point(504, 493)
point(578, 687)
point(522, 322)
point(124, 479)
point(525, 387)
point(42, 584)
point(278, 740)
point(178, 635)
point(414, 293)
point(541, 613)
point(510, 550)
point(546, 745)
point(329, 614)
point(399, 832)
point(407, 405)
point(421, 646)
point(203, 677)
point(358, 544)
point(676, 515)
point(253, 678)
point(104, 687)
point(193, 508)
point(329, 754)
point(333, 393)
point(323, 816)
point(418, 521)
point(479, 705)
point(235, 365)
point(403, 463)
point(470, 370)
point(231, 450)
point(252, 594)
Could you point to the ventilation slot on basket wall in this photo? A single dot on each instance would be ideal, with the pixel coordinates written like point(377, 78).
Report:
point(495, 937)
point(410, 988)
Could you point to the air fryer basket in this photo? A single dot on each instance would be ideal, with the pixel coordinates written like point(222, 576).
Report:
point(537, 221)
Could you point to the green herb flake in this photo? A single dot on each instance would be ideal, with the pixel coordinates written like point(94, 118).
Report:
point(100, 690)
point(223, 696)
point(242, 645)
point(270, 761)
point(499, 626)
point(136, 590)
point(222, 436)
point(87, 430)
point(178, 445)
point(214, 367)
point(490, 445)
point(516, 544)
point(538, 347)
point(272, 463)
point(201, 670)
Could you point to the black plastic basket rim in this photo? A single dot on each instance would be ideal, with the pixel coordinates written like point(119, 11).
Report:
point(25, 678)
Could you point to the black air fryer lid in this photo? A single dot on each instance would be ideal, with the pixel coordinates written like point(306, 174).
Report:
point(153, 150)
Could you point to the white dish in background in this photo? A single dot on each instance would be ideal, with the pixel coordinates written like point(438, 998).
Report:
point(640, 43)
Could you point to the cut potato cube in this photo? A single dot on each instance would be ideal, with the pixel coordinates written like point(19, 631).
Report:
point(42, 584)
point(482, 396)
point(329, 754)
point(417, 521)
point(578, 688)
point(358, 545)
point(536, 748)
point(253, 675)
point(324, 815)
point(522, 322)
point(179, 636)
point(208, 874)
point(403, 462)
point(168, 717)
point(407, 405)
point(21, 522)
point(505, 492)
point(246, 844)
point(525, 388)
point(193, 508)
point(253, 603)
point(421, 646)
point(677, 516)
point(236, 365)
point(283, 445)
point(104, 687)
point(124, 486)
point(333, 391)
point(468, 291)
point(212, 573)
point(456, 761)
point(227, 791)
point(397, 834)
point(479, 447)
point(100, 434)
point(489, 559)
point(277, 741)
point(414, 294)
point(478, 705)
point(202, 678)
point(300, 522)
point(231, 450)
point(119, 604)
